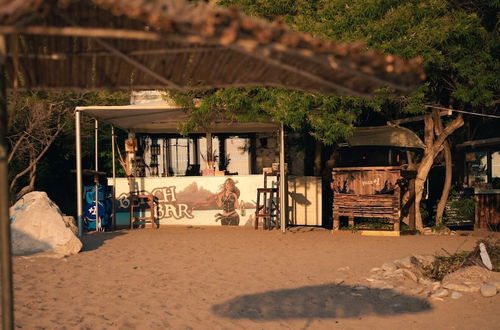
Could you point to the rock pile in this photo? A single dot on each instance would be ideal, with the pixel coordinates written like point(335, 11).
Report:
point(442, 232)
point(407, 276)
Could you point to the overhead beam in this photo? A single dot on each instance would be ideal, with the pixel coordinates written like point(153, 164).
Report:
point(73, 31)
point(416, 118)
point(137, 64)
point(161, 51)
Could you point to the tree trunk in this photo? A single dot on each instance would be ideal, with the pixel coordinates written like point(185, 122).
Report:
point(435, 138)
point(317, 159)
point(438, 129)
point(447, 184)
point(422, 173)
point(30, 187)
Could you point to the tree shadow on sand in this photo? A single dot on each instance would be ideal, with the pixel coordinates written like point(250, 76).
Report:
point(93, 241)
point(320, 301)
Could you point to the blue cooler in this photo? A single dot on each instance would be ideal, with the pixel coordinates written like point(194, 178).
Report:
point(104, 207)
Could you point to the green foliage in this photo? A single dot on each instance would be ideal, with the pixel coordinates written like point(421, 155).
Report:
point(326, 117)
point(444, 265)
point(457, 39)
point(459, 208)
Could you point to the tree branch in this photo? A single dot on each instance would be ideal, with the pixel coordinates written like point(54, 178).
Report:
point(40, 155)
point(15, 147)
point(454, 125)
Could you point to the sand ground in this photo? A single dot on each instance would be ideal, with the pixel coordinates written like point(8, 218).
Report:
point(236, 278)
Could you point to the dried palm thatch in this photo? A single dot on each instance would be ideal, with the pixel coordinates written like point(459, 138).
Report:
point(144, 44)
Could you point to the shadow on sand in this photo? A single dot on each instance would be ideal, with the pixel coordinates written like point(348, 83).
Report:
point(92, 241)
point(320, 301)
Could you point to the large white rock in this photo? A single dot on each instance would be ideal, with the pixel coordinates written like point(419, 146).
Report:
point(37, 225)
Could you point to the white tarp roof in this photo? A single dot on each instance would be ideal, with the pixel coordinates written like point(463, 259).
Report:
point(162, 117)
point(395, 136)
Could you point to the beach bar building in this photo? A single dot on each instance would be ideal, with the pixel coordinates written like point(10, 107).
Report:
point(183, 184)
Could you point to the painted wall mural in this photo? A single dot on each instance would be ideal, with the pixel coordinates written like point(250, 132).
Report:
point(226, 201)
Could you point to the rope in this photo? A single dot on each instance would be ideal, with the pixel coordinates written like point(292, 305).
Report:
point(462, 111)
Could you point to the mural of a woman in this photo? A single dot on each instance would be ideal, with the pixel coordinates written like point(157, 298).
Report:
point(227, 199)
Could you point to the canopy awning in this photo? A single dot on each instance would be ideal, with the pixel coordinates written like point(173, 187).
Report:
point(160, 117)
point(391, 136)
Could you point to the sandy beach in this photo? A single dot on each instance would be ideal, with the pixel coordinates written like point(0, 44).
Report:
point(236, 278)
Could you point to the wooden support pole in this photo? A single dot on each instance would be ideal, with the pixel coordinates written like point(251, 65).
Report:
point(351, 221)
point(397, 224)
point(336, 222)
point(411, 213)
point(209, 152)
point(5, 238)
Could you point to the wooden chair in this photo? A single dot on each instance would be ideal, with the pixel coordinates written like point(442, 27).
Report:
point(268, 207)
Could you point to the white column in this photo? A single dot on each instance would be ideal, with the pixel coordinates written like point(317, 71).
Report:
point(113, 140)
point(282, 188)
point(96, 177)
point(79, 188)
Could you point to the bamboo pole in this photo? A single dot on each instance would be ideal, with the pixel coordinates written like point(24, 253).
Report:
point(5, 239)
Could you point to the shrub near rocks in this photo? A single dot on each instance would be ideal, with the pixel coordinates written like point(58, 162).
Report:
point(444, 265)
point(441, 276)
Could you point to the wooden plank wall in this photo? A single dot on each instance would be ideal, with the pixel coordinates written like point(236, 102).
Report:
point(488, 211)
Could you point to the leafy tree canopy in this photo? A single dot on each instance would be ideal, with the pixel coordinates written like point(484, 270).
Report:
point(458, 41)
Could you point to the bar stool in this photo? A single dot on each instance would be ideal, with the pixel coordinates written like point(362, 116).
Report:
point(135, 198)
point(270, 202)
point(135, 202)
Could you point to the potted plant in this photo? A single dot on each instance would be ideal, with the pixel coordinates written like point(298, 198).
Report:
point(210, 162)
